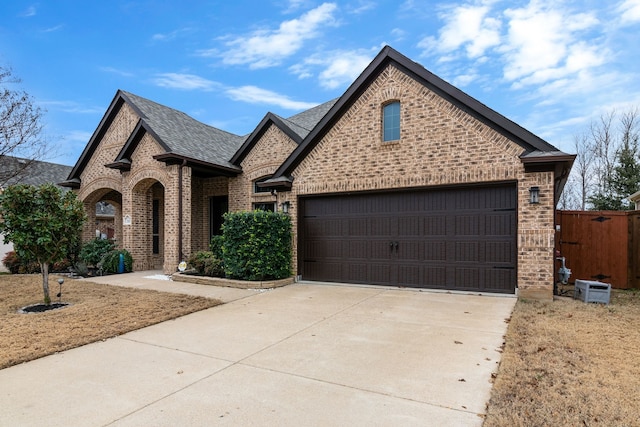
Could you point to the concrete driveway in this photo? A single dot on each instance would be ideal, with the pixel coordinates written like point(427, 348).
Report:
point(304, 354)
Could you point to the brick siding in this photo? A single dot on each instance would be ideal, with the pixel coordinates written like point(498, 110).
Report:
point(439, 145)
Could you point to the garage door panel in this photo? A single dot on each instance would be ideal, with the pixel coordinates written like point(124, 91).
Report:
point(499, 280)
point(460, 238)
point(410, 226)
point(466, 278)
point(358, 249)
point(356, 272)
point(409, 250)
point(467, 225)
point(499, 252)
point(467, 252)
point(323, 228)
point(434, 276)
point(381, 227)
point(435, 225)
point(410, 275)
point(380, 274)
point(324, 271)
point(499, 224)
point(435, 250)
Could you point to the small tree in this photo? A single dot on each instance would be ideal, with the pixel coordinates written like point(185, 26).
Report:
point(42, 222)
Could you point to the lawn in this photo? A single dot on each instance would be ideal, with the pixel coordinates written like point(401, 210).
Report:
point(96, 312)
point(567, 363)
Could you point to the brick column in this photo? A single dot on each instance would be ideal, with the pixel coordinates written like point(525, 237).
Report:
point(89, 227)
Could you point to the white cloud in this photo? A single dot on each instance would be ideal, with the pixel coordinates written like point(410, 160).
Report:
point(78, 135)
point(467, 26)
point(361, 7)
point(53, 29)
point(267, 48)
point(399, 34)
point(159, 37)
point(343, 69)
point(256, 95)
point(295, 5)
point(539, 42)
point(338, 67)
point(543, 43)
point(630, 11)
point(71, 107)
point(184, 81)
point(462, 80)
point(29, 12)
point(116, 71)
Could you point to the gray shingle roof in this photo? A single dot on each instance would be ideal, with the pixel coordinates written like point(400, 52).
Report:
point(184, 135)
point(302, 123)
point(32, 172)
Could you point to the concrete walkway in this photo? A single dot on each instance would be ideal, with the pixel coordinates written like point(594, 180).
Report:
point(157, 281)
point(304, 354)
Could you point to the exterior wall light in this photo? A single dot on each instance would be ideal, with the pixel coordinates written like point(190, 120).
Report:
point(534, 195)
point(285, 207)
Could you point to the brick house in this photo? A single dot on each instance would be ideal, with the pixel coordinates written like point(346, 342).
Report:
point(404, 180)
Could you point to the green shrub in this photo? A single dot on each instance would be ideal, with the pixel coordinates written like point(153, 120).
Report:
point(111, 260)
point(206, 263)
point(94, 250)
point(257, 245)
point(215, 246)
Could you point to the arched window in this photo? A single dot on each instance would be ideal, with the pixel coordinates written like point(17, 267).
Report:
point(391, 121)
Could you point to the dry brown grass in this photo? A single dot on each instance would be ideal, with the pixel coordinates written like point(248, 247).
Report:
point(567, 363)
point(96, 312)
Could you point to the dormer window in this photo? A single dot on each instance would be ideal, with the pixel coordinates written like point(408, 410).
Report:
point(391, 121)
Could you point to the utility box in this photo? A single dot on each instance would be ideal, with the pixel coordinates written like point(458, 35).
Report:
point(592, 291)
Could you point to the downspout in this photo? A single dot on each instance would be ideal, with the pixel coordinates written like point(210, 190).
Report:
point(180, 190)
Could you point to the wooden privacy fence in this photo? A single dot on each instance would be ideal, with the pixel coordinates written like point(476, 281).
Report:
point(600, 245)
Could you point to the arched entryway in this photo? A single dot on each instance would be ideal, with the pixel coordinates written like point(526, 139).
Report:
point(145, 225)
point(104, 215)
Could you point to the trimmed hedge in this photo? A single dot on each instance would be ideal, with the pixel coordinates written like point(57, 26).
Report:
point(257, 245)
point(215, 246)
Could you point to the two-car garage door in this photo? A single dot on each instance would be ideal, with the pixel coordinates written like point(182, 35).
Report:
point(454, 238)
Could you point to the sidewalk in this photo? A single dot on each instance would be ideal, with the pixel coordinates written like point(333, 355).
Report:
point(154, 279)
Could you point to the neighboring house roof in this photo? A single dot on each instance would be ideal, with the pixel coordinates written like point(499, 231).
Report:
point(104, 209)
point(535, 149)
point(32, 172)
point(635, 197)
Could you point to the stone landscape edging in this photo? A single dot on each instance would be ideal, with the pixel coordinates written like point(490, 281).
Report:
point(231, 283)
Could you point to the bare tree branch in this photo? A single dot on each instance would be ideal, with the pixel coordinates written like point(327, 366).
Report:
point(20, 129)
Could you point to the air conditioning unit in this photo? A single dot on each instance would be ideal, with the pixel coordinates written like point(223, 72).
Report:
point(592, 291)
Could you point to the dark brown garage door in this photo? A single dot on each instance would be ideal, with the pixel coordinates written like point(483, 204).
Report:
point(458, 239)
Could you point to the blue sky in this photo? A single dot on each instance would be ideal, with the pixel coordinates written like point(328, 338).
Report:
point(552, 66)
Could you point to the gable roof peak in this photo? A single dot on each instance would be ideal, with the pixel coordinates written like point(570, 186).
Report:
point(527, 140)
